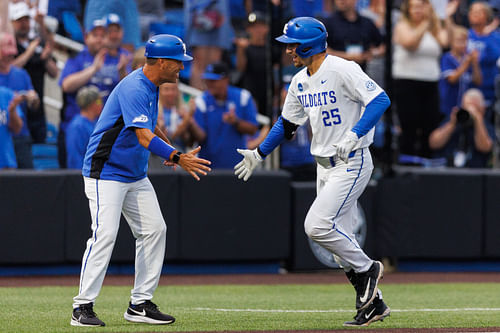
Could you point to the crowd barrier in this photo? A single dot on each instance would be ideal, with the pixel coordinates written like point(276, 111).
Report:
point(418, 213)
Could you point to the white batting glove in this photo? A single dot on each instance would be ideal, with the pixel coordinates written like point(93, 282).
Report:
point(251, 158)
point(345, 146)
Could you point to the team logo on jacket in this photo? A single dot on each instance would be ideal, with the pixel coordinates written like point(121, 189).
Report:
point(300, 87)
point(370, 85)
point(140, 119)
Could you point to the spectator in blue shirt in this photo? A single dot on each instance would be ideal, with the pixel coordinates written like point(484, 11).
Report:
point(224, 116)
point(10, 123)
point(82, 125)
point(466, 137)
point(487, 44)
point(129, 15)
point(92, 66)
point(113, 42)
point(459, 70)
point(19, 81)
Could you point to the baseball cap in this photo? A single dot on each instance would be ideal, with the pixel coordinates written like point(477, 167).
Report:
point(113, 18)
point(86, 96)
point(95, 24)
point(18, 10)
point(215, 71)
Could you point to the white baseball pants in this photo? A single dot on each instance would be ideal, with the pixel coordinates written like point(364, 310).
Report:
point(332, 216)
point(139, 205)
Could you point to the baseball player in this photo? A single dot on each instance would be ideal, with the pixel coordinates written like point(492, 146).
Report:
point(342, 104)
point(114, 172)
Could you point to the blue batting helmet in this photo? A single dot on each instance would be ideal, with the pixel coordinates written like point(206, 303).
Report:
point(166, 46)
point(308, 32)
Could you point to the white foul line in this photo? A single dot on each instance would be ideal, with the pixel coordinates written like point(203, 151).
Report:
point(342, 311)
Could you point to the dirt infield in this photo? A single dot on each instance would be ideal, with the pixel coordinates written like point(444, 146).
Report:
point(290, 278)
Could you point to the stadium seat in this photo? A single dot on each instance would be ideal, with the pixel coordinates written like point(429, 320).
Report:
point(45, 154)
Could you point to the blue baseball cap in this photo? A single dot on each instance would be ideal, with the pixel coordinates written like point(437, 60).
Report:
point(113, 18)
point(95, 24)
point(215, 71)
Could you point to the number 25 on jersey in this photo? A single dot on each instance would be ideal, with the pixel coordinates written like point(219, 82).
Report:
point(331, 118)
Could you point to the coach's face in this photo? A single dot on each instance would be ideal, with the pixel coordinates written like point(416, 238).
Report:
point(169, 70)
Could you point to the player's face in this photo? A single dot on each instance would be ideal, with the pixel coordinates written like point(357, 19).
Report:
point(297, 61)
point(169, 70)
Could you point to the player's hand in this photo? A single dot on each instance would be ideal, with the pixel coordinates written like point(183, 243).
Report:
point(193, 164)
point(251, 159)
point(345, 146)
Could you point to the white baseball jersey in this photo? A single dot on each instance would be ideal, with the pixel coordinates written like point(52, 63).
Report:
point(334, 99)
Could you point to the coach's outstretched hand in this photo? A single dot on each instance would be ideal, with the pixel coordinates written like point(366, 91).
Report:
point(251, 159)
point(194, 165)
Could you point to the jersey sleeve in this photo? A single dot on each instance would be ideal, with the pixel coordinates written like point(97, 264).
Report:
point(135, 107)
point(359, 86)
point(293, 111)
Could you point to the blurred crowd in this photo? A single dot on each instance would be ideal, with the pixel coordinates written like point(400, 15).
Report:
point(444, 86)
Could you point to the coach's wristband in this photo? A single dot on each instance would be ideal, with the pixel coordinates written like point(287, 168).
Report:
point(161, 148)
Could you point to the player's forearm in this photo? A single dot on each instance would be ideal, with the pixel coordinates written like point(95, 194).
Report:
point(374, 110)
point(281, 129)
point(158, 131)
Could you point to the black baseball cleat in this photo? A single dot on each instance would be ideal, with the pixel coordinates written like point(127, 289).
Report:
point(84, 315)
point(147, 312)
point(377, 310)
point(366, 285)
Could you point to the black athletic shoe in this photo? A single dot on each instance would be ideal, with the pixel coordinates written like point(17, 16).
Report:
point(84, 315)
point(366, 285)
point(147, 312)
point(377, 310)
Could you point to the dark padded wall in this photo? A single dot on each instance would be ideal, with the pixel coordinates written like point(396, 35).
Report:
point(430, 215)
point(31, 218)
point(223, 217)
point(492, 216)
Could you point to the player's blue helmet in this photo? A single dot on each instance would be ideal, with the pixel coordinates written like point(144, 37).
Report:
point(166, 46)
point(308, 32)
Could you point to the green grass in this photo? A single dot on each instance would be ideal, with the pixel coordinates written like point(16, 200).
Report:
point(48, 309)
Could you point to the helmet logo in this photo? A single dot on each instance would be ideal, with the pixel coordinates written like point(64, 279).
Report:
point(285, 28)
point(184, 47)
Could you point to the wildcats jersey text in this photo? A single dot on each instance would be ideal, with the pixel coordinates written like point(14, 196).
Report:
point(333, 99)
